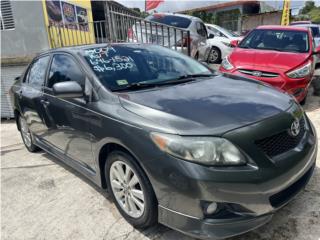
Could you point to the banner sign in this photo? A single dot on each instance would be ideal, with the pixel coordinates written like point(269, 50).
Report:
point(82, 17)
point(54, 12)
point(285, 20)
point(70, 15)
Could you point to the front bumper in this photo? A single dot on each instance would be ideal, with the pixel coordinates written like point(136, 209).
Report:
point(297, 87)
point(181, 186)
point(210, 228)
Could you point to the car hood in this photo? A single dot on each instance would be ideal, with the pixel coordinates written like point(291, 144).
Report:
point(207, 107)
point(266, 59)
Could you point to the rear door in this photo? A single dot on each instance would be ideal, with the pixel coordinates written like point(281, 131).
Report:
point(31, 95)
point(69, 118)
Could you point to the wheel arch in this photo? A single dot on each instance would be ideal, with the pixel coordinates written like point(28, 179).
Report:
point(105, 150)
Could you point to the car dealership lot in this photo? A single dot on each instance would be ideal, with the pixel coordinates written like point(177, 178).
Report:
point(43, 198)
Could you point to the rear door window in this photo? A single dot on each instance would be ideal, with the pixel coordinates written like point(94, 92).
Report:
point(37, 72)
point(201, 29)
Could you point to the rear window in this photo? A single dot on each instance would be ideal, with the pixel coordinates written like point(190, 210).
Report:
point(175, 21)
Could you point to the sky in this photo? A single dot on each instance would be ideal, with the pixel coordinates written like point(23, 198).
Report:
point(178, 5)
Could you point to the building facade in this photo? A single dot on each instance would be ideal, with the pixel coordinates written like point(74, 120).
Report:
point(25, 32)
point(230, 14)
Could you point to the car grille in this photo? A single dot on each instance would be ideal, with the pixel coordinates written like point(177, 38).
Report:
point(281, 142)
point(258, 73)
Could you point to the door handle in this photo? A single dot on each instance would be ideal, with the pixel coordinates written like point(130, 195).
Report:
point(44, 102)
point(20, 94)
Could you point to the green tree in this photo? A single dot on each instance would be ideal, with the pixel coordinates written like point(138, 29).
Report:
point(315, 15)
point(308, 6)
point(204, 16)
point(309, 12)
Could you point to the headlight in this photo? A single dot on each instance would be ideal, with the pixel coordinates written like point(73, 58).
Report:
point(300, 72)
point(226, 64)
point(204, 150)
point(227, 44)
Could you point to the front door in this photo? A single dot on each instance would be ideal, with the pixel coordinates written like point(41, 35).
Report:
point(69, 118)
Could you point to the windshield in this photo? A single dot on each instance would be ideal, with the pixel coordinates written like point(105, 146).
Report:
point(279, 40)
point(175, 21)
point(230, 33)
point(121, 66)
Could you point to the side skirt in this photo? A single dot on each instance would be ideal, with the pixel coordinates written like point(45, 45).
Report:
point(79, 167)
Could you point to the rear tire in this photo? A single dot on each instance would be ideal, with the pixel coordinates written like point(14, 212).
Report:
point(214, 55)
point(131, 190)
point(27, 136)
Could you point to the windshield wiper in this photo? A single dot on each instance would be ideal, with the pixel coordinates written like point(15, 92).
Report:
point(136, 86)
point(150, 84)
point(194, 76)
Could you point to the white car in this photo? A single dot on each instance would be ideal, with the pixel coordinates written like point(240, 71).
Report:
point(220, 43)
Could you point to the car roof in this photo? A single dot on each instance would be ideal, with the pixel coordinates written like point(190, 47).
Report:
point(279, 27)
point(79, 48)
point(213, 25)
point(178, 15)
point(307, 25)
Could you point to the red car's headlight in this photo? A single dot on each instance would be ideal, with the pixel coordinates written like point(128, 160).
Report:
point(301, 71)
point(226, 64)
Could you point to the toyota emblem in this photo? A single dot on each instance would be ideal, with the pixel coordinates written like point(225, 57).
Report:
point(295, 128)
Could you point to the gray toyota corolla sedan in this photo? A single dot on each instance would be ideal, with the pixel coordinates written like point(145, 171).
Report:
point(209, 155)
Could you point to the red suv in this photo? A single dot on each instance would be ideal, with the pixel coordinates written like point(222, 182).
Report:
point(279, 55)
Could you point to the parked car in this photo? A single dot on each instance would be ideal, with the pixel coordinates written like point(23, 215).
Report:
point(220, 43)
point(209, 155)
point(300, 22)
point(221, 32)
point(315, 29)
point(283, 56)
point(197, 39)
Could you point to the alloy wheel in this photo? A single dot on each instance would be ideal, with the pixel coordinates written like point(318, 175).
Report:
point(127, 189)
point(213, 56)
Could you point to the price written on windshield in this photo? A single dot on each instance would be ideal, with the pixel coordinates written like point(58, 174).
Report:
point(102, 62)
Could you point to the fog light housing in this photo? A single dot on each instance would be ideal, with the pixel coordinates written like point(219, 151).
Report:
point(211, 208)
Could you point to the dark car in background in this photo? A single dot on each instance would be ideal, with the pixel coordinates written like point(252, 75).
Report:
point(209, 155)
point(283, 56)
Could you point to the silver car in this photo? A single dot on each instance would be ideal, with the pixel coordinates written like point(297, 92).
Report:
point(167, 32)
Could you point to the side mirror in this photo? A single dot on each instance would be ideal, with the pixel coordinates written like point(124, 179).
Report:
point(234, 43)
point(68, 89)
point(317, 51)
point(211, 35)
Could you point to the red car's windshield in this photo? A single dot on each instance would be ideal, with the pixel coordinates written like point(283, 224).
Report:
point(278, 40)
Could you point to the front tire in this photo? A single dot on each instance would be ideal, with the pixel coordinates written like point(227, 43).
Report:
point(214, 55)
point(131, 190)
point(26, 135)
